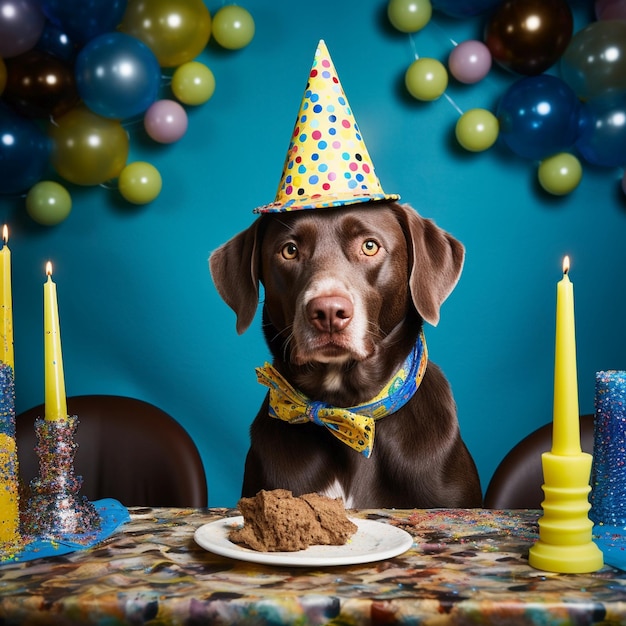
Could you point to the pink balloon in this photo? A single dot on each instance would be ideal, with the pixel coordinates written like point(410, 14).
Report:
point(610, 9)
point(470, 61)
point(165, 121)
point(21, 25)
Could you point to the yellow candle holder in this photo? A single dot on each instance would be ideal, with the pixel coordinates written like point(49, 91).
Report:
point(9, 496)
point(565, 531)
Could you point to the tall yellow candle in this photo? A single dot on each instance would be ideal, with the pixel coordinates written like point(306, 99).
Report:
point(565, 531)
point(566, 419)
point(6, 330)
point(55, 398)
point(9, 484)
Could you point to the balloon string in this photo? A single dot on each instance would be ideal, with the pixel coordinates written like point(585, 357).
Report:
point(413, 47)
point(132, 122)
point(453, 103)
point(432, 25)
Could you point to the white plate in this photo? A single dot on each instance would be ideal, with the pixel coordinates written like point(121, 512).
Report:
point(373, 541)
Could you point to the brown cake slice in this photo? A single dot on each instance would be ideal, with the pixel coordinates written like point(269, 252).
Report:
point(276, 521)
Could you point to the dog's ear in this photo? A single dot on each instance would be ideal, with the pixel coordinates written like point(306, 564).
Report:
point(235, 271)
point(436, 262)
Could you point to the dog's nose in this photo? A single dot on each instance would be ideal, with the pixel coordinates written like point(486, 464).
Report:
point(329, 314)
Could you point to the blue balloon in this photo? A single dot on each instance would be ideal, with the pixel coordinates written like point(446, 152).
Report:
point(539, 116)
point(24, 153)
point(463, 8)
point(117, 76)
point(55, 42)
point(83, 20)
point(602, 139)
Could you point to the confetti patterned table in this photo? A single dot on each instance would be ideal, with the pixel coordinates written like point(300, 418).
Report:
point(465, 567)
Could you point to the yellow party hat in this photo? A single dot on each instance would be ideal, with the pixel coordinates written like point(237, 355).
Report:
point(327, 163)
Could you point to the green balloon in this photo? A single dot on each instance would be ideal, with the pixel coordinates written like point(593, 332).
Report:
point(140, 182)
point(594, 63)
point(48, 203)
point(477, 130)
point(233, 27)
point(426, 79)
point(193, 83)
point(560, 174)
point(409, 16)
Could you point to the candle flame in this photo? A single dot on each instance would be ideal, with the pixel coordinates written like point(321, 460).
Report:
point(5, 234)
point(48, 269)
point(565, 264)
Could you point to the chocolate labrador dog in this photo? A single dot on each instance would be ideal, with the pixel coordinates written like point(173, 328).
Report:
point(346, 293)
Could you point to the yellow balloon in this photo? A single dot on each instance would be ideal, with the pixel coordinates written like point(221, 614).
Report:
point(426, 79)
point(140, 182)
point(88, 149)
point(193, 83)
point(3, 75)
point(560, 174)
point(48, 203)
point(175, 30)
point(477, 130)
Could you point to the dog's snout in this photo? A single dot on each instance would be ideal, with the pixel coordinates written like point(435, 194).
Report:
point(329, 314)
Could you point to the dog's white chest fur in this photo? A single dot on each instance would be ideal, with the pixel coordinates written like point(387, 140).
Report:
point(336, 490)
point(333, 379)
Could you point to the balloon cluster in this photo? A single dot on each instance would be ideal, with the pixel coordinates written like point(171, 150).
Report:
point(567, 101)
point(75, 74)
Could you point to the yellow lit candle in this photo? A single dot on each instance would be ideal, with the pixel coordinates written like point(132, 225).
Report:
point(6, 350)
point(565, 531)
point(9, 484)
point(566, 421)
point(56, 401)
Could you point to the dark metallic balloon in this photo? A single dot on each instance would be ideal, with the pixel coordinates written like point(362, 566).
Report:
point(529, 36)
point(39, 85)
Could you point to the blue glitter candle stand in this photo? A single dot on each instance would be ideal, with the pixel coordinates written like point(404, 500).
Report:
point(56, 510)
point(608, 474)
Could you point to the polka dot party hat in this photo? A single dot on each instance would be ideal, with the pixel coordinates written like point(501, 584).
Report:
point(327, 163)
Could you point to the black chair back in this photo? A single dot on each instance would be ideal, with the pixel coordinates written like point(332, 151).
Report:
point(128, 449)
point(516, 483)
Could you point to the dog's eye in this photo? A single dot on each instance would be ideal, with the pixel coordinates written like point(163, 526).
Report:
point(289, 251)
point(370, 247)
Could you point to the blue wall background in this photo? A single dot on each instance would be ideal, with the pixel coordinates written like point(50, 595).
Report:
point(140, 316)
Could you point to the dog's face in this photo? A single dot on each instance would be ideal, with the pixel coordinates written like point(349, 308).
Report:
point(337, 281)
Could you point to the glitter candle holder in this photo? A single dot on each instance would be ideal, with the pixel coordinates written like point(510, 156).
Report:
point(9, 480)
point(608, 474)
point(55, 509)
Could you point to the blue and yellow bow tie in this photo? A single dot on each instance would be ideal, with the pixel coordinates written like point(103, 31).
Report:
point(353, 425)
